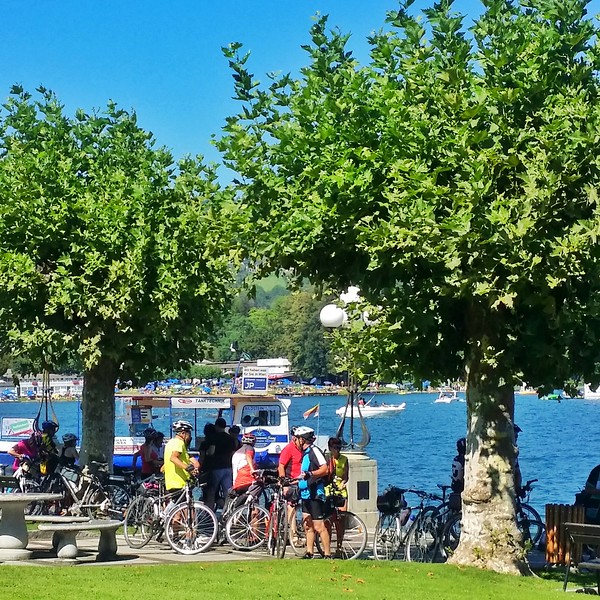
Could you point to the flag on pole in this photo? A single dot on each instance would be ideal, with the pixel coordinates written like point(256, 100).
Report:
point(314, 411)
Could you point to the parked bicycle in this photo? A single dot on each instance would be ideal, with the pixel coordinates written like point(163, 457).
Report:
point(348, 532)
point(529, 522)
point(278, 523)
point(403, 531)
point(189, 526)
point(246, 521)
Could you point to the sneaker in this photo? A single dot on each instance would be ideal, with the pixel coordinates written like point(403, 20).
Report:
point(328, 557)
point(307, 556)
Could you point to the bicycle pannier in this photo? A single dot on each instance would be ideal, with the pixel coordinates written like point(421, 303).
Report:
point(390, 501)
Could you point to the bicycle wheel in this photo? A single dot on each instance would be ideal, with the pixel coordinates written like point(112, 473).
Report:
point(530, 524)
point(387, 538)
point(422, 539)
point(281, 530)
point(296, 533)
point(451, 535)
point(277, 530)
point(191, 529)
point(141, 519)
point(119, 500)
point(246, 527)
point(349, 542)
point(95, 503)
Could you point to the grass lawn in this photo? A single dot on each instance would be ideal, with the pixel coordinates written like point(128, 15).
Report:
point(265, 580)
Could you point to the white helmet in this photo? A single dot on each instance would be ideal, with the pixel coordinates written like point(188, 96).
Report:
point(179, 426)
point(307, 433)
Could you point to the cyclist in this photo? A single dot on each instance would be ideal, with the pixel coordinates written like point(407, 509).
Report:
point(48, 448)
point(518, 476)
point(178, 463)
point(158, 442)
point(234, 432)
point(25, 450)
point(338, 471)
point(68, 453)
point(336, 490)
point(290, 463)
point(151, 463)
point(457, 478)
point(589, 497)
point(290, 459)
point(314, 472)
point(244, 470)
point(242, 463)
point(220, 474)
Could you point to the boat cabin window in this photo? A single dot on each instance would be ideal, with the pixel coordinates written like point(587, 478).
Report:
point(261, 416)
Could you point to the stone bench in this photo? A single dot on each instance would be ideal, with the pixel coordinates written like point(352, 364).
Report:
point(56, 519)
point(65, 536)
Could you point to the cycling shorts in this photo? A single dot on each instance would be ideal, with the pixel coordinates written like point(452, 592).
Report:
point(314, 508)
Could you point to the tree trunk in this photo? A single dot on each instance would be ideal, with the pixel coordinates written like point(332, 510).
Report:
point(489, 535)
point(98, 418)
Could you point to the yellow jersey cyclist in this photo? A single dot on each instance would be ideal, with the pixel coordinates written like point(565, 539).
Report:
point(179, 465)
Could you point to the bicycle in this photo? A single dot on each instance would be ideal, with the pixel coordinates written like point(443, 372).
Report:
point(410, 529)
point(347, 531)
point(393, 523)
point(148, 516)
point(278, 524)
point(529, 522)
point(191, 527)
point(246, 522)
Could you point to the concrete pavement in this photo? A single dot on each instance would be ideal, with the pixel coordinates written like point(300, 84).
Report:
point(155, 553)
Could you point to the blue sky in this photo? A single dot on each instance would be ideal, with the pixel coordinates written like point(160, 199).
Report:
point(163, 59)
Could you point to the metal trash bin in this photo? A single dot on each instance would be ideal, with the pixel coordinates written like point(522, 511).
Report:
point(557, 541)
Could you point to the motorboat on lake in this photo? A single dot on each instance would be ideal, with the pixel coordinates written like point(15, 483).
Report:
point(447, 396)
point(373, 408)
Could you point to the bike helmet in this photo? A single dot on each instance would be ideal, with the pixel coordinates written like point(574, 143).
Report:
point(69, 438)
point(248, 438)
point(461, 445)
point(293, 431)
point(307, 433)
point(50, 425)
point(181, 425)
point(149, 433)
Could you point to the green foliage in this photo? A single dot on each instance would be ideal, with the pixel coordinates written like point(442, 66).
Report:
point(453, 179)
point(290, 329)
point(108, 250)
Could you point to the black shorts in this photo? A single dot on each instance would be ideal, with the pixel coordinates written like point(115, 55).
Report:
point(314, 508)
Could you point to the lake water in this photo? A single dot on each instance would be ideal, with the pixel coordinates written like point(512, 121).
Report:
point(415, 448)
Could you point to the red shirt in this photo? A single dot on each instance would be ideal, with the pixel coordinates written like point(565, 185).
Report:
point(291, 459)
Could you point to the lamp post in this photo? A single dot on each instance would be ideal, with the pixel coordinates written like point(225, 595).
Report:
point(333, 316)
point(362, 481)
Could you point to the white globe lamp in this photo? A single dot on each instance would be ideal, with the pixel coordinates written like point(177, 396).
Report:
point(332, 316)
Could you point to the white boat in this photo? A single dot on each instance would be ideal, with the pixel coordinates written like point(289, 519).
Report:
point(447, 396)
point(590, 394)
point(369, 410)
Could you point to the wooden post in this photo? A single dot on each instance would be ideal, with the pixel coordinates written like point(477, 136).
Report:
point(557, 543)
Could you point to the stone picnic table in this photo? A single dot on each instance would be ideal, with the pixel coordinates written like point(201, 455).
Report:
point(13, 529)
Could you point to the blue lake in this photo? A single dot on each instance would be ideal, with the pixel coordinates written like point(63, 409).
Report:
point(414, 448)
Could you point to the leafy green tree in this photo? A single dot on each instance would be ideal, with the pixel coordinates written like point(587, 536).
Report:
point(300, 337)
point(455, 180)
point(107, 249)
